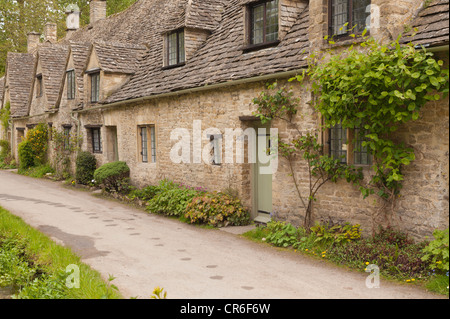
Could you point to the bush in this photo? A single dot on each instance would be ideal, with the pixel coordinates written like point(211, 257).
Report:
point(436, 252)
point(38, 139)
point(146, 193)
point(26, 155)
point(86, 164)
point(282, 234)
point(113, 176)
point(217, 209)
point(390, 250)
point(171, 199)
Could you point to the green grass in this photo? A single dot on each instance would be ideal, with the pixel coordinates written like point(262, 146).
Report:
point(37, 171)
point(54, 258)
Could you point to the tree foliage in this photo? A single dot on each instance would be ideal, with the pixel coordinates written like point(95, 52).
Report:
point(19, 17)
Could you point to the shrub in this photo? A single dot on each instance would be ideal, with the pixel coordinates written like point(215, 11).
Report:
point(112, 176)
point(282, 234)
point(146, 193)
point(172, 200)
point(86, 164)
point(26, 155)
point(217, 209)
point(436, 252)
point(38, 139)
point(390, 250)
point(336, 234)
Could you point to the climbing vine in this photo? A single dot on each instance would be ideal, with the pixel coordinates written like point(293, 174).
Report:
point(279, 103)
point(376, 90)
point(373, 88)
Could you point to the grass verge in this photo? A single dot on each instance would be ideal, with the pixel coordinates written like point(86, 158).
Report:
point(41, 265)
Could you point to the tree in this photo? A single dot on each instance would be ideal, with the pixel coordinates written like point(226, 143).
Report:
point(19, 17)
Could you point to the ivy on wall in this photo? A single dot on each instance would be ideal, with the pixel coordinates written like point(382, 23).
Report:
point(371, 87)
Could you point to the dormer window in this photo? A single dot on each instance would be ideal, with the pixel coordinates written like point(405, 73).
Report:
point(175, 48)
point(352, 12)
point(264, 22)
point(95, 86)
point(39, 87)
point(70, 84)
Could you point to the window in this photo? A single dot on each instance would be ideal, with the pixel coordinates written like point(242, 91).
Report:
point(67, 129)
point(96, 140)
point(361, 153)
point(95, 87)
point(263, 22)
point(338, 143)
point(70, 84)
point(147, 143)
point(216, 149)
point(347, 145)
point(39, 87)
point(175, 48)
point(353, 12)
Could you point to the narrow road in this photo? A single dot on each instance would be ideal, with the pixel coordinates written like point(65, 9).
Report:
point(144, 251)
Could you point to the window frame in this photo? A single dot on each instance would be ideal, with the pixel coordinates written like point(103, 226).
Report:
point(180, 52)
point(67, 131)
point(149, 144)
point(251, 45)
point(94, 89)
point(39, 85)
point(71, 89)
point(95, 150)
point(351, 138)
point(350, 13)
point(216, 149)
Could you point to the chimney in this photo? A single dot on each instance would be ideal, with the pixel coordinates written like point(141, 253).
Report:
point(73, 19)
point(98, 10)
point(33, 40)
point(50, 32)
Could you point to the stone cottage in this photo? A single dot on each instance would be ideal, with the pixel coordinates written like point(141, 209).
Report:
point(161, 84)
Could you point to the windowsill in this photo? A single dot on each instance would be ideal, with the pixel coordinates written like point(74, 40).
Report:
point(345, 39)
point(168, 67)
point(260, 46)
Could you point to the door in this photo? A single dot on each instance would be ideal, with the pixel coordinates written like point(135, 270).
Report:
point(111, 140)
point(263, 176)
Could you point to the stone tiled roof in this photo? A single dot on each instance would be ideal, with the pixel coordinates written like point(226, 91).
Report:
point(20, 73)
point(53, 60)
point(118, 57)
point(80, 53)
point(219, 60)
point(432, 25)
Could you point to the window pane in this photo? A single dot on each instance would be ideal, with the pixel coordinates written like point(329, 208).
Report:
point(258, 24)
point(70, 85)
point(95, 87)
point(361, 153)
point(360, 15)
point(338, 137)
point(339, 16)
point(272, 21)
point(181, 47)
point(96, 141)
point(144, 149)
point(172, 49)
point(153, 143)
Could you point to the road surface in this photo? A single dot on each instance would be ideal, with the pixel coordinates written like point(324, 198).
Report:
point(144, 251)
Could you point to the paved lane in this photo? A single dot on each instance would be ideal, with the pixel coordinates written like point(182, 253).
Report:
point(144, 251)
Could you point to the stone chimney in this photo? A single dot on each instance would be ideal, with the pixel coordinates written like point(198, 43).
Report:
point(33, 41)
point(73, 19)
point(50, 32)
point(97, 10)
